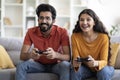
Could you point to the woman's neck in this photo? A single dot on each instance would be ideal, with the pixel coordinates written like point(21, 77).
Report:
point(89, 37)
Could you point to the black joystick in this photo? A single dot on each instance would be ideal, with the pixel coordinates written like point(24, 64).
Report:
point(83, 59)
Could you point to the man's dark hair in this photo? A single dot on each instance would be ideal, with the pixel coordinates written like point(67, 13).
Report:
point(46, 7)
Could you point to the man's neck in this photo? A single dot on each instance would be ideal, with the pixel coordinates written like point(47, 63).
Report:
point(46, 34)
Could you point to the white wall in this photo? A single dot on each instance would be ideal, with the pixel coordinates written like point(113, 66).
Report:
point(108, 11)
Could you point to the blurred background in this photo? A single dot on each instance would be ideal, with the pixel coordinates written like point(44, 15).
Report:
point(16, 16)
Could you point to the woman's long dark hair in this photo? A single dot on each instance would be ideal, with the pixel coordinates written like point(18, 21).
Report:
point(98, 27)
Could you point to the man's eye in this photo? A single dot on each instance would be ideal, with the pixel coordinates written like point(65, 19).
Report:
point(41, 18)
point(48, 18)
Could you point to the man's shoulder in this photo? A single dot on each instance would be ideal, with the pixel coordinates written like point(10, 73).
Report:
point(59, 28)
point(32, 29)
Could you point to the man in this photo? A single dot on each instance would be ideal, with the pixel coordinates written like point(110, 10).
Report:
point(53, 41)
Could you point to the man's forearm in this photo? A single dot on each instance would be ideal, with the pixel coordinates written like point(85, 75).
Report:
point(65, 57)
point(25, 56)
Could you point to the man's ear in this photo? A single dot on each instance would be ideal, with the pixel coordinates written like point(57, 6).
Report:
point(54, 20)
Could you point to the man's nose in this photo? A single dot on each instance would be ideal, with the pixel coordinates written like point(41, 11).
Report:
point(44, 20)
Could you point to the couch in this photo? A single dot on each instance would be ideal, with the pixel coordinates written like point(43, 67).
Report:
point(13, 47)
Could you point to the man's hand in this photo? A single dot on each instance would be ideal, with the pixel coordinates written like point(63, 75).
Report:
point(50, 53)
point(34, 55)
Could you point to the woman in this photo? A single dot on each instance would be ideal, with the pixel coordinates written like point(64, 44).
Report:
point(90, 40)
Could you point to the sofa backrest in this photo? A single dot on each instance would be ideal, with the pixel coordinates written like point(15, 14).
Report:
point(11, 43)
point(13, 47)
point(116, 39)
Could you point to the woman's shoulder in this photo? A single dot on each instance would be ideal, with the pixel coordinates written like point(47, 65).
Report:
point(76, 34)
point(103, 36)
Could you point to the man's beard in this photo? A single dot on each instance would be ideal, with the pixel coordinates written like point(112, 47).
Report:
point(44, 29)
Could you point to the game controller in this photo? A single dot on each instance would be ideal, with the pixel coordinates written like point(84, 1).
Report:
point(83, 59)
point(39, 51)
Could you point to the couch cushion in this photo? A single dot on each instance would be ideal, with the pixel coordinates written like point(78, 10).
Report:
point(42, 76)
point(7, 74)
point(15, 56)
point(5, 60)
point(114, 52)
point(116, 75)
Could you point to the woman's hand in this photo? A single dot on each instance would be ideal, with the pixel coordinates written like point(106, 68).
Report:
point(91, 62)
point(76, 64)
